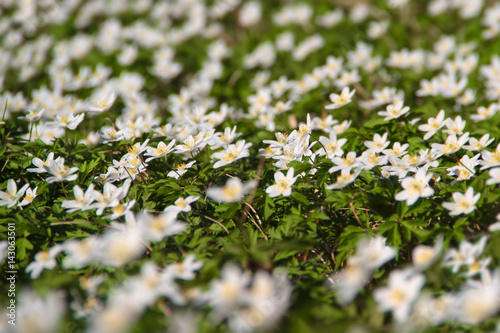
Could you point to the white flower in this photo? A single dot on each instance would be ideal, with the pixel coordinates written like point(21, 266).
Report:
point(184, 270)
point(345, 178)
point(433, 125)
point(70, 122)
point(82, 200)
point(485, 113)
point(394, 111)
point(119, 247)
point(341, 128)
point(494, 176)
point(60, 172)
point(397, 150)
point(455, 126)
point(29, 196)
point(490, 159)
point(39, 314)
point(465, 168)
point(223, 139)
point(466, 254)
point(101, 105)
point(110, 196)
point(156, 228)
point(33, 116)
point(250, 13)
point(41, 164)
point(347, 162)
point(233, 191)
point(180, 169)
point(190, 145)
point(479, 300)
point(451, 145)
point(110, 134)
point(121, 210)
point(378, 144)
point(415, 187)
point(232, 153)
point(371, 159)
point(136, 149)
point(423, 255)
point(340, 100)
point(227, 293)
point(283, 184)
point(374, 252)
point(12, 196)
point(398, 296)
point(143, 290)
point(182, 204)
point(377, 29)
point(332, 146)
point(304, 129)
point(3, 250)
point(80, 252)
point(43, 260)
point(325, 124)
point(475, 144)
point(462, 204)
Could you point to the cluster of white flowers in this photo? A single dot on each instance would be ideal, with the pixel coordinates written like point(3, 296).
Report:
point(476, 301)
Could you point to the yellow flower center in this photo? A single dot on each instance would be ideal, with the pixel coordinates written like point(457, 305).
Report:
point(102, 103)
point(181, 167)
point(474, 267)
point(134, 150)
point(119, 209)
point(397, 296)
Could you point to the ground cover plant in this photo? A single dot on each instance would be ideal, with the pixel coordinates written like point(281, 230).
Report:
point(250, 166)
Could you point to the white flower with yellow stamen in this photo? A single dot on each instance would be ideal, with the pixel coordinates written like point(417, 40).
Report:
point(340, 100)
point(69, 122)
point(283, 184)
point(341, 128)
point(233, 191)
point(464, 169)
point(12, 196)
point(99, 105)
point(33, 116)
point(433, 125)
point(182, 204)
point(423, 255)
point(345, 178)
point(415, 187)
point(462, 203)
point(394, 110)
point(180, 169)
point(43, 260)
point(28, 197)
point(41, 164)
point(156, 227)
point(60, 172)
point(490, 159)
point(398, 296)
point(451, 145)
point(475, 144)
point(161, 150)
point(232, 153)
point(137, 149)
point(120, 210)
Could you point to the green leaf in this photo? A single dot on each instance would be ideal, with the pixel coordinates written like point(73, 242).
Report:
point(268, 207)
point(301, 198)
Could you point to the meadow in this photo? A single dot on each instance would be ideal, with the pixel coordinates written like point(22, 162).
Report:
point(249, 166)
